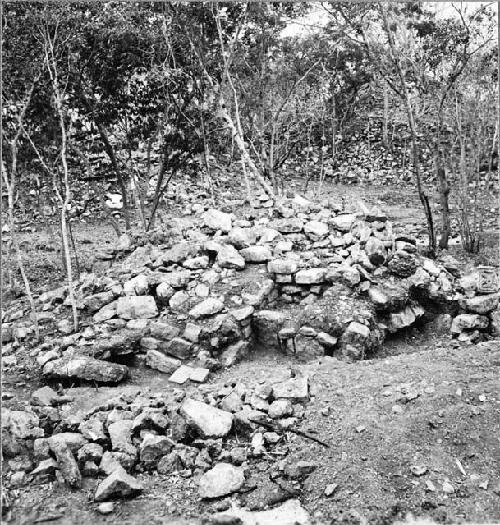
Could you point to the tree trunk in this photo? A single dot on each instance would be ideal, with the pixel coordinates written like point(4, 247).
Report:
point(424, 199)
point(157, 195)
point(240, 144)
point(444, 191)
point(334, 127)
point(444, 188)
point(138, 200)
point(69, 270)
point(385, 121)
point(159, 190)
point(64, 225)
point(58, 98)
point(271, 157)
point(464, 197)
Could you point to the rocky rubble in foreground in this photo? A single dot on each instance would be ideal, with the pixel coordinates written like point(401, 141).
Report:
point(216, 437)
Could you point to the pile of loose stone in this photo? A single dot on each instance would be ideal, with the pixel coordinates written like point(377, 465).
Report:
point(303, 277)
point(215, 435)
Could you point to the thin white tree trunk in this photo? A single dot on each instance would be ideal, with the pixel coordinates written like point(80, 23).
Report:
point(64, 201)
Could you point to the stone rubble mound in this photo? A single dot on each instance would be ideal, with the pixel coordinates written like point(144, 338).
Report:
point(305, 278)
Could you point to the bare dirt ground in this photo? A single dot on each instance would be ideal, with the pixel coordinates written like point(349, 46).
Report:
point(415, 430)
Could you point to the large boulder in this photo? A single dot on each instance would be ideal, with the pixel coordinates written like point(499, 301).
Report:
point(292, 225)
point(117, 484)
point(333, 312)
point(316, 230)
point(268, 234)
point(242, 237)
point(217, 220)
point(376, 251)
point(21, 424)
point(310, 276)
point(153, 448)
point(85, 368)
point(257, 254)
point(164, 292)
point(282, 266)
point(405, 318)
point(228, 257)
point(177, 279)
point(388, 296)
point(44, 396)
point(206, 420)
point(108, 311)
point(93, 303)
point(138, 285)
point(140, 257)
point(178, 347)
point(482, 304)
point(164, 363)
point(178, 253)
point(136, 307)
point(163, 330)
point(18, 426)
point(220, 331)
point(344, 274)
point(343, 222)
point(221, 480)
point(355, 341)
point(255, 292)
point(464, 322)
point(206, 308)
point(120, 433)
point(66, 461)
point(121, 342)
point(179, 302)
point(402, 264)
